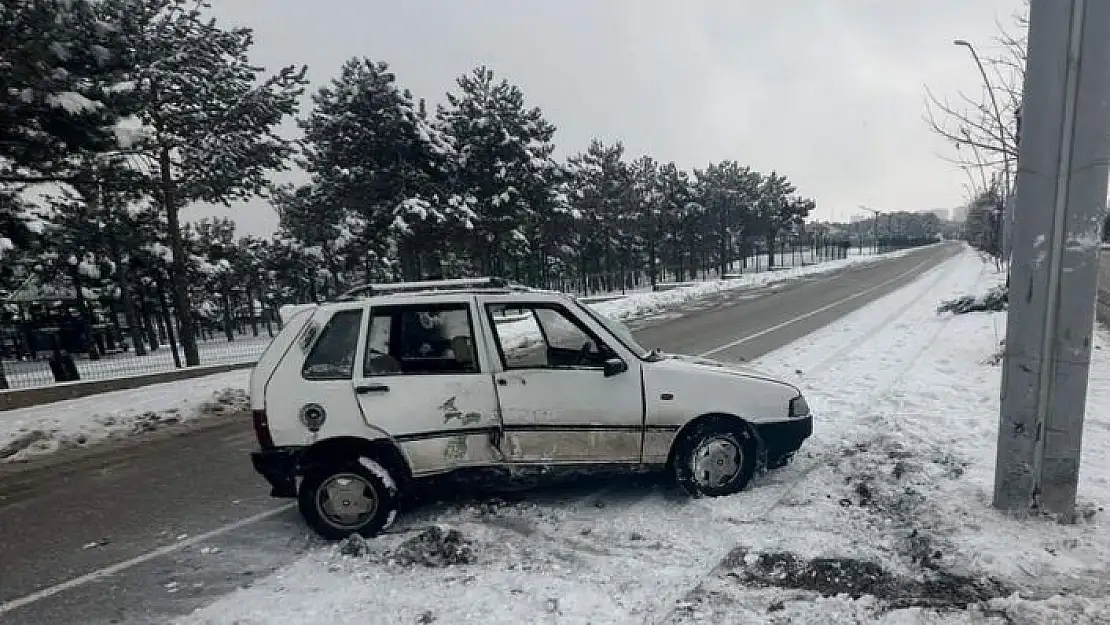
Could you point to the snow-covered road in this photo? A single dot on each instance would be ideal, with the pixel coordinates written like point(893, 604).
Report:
point(885, 518)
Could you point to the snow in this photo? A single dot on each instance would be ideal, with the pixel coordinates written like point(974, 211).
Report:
point(73, 103)
point(898, 473)
point(130, 131)
point(37, 430)
point(380, 472)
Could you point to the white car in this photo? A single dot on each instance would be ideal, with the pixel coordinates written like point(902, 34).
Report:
point(357, 400)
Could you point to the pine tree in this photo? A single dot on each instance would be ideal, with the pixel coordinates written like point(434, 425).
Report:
point(504, 155)
point(56, 59)
point(773, 213)
point(380, 171)
point(208, 116)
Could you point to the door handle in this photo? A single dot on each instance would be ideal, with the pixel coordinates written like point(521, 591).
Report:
point(502, 382)
point(371, 388)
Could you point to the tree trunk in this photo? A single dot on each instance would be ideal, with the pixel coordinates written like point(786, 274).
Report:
point(146, 315)
point(123, 274)
point(250, 307)
point(228, 329)
point(86, 314)
point(771, 236)
point(168, 321)
point(178, 275)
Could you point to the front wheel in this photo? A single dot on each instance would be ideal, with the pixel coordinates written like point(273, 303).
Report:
point(338, 501)
point(715, 459)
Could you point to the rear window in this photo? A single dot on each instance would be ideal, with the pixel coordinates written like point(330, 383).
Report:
point(333, 354)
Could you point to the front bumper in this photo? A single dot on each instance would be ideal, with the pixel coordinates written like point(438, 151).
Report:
point(782, 438)
point(279, 466)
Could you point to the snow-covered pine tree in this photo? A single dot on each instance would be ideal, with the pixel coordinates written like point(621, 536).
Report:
point(647, 189)
point(208, 114)
point(603, 184)
point(55, 58)
point(379, 170)
point(728, 193)
point(504, 156)
point(772, 211)
point(676, 212)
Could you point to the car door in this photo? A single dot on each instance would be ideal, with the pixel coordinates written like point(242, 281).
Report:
point(557, 403)
point(422, 381)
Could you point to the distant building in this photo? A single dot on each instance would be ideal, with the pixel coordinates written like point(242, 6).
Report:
point(942, 213)
point(959, 213)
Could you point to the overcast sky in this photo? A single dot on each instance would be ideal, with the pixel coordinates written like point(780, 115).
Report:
point(828, 92)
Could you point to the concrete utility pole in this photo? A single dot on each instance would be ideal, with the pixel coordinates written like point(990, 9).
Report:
point(1061, 199)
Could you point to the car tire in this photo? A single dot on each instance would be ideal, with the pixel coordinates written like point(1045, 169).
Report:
point(714, 459)
point(359, 497)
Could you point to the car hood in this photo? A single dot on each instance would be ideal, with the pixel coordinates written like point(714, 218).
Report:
point(722, 367)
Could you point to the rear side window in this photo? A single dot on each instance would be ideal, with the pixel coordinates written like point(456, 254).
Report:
point(333, 355)
point(420, 339)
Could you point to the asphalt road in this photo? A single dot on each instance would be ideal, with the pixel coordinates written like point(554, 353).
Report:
point(138, 532)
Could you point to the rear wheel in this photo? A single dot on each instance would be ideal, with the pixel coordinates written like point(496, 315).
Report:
point(340, 500)
point(716, 458)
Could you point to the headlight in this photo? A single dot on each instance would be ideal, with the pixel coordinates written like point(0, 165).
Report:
point(799, 407)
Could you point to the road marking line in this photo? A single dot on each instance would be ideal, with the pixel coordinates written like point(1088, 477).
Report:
point(779, 326)
point(108, 571)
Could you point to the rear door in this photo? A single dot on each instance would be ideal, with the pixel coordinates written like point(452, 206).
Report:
point(557, 404)
point(422, 380)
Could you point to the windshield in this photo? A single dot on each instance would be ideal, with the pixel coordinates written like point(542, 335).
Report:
point(617, 329)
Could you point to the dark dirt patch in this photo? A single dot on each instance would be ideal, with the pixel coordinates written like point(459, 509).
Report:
point(857, 578)
point(995, 300)
point(435, 547)
point(227, 401)
point(354, 546)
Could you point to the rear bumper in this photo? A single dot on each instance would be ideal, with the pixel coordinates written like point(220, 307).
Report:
point(279, 466)
point(782, 438)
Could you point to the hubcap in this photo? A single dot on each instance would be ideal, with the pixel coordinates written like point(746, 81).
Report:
point(716, 462)
point(346, 500)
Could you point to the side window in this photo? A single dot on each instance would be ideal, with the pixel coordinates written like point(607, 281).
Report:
point(545, 336)
point(414, 340)
point(333, 355)
point(520, 337)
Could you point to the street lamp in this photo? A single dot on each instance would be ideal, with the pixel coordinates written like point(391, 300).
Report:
point(1001, 136)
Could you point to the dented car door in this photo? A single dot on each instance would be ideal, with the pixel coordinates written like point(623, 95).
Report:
point(423, 380)
point(567, 393)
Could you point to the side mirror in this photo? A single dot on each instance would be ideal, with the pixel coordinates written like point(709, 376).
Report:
point(615, 366)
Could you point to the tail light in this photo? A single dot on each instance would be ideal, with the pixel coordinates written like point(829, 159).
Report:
point(262, 430)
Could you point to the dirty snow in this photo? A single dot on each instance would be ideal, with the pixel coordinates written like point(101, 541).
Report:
point(883, 518)
point(26, 432)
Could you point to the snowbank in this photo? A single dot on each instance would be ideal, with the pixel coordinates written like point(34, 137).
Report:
point(884, 517)
point(26, 432)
